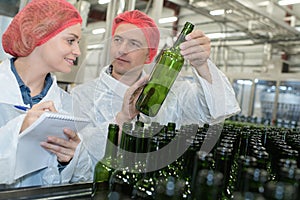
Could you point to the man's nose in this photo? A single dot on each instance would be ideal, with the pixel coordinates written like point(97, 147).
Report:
point(124, 48)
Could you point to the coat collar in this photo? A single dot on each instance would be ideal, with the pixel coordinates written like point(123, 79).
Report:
point(119, 87)
point(10, 91)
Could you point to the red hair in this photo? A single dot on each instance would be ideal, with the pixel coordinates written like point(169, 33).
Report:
point(36, 23)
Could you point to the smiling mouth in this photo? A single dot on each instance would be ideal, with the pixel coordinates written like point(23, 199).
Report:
point(70, 61)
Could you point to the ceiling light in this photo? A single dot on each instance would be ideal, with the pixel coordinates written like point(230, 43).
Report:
point(263, 3)
point(229, 11)
point(103, 1)
point(200, 4)
point(98, 31)
point(244, 82)
point(215, 35)
point(93, 46)
point(217, 12)
point(167, 20)
point(288, 2)
point(225, 35)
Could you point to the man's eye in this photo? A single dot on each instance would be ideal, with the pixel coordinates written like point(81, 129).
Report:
point(135, 44)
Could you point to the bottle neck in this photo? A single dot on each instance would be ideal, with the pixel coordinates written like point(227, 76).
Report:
point(112, 141)
point(111, 151)
point(180, 39)
point(188, 28)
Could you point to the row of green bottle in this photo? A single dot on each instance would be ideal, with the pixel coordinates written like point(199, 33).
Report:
point(225, 161)
point(266, 121)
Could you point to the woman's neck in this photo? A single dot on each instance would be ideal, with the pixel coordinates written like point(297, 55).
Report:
point(31, 75)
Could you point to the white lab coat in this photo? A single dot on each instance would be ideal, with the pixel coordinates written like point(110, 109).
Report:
point(189, 101)
point(79, 169)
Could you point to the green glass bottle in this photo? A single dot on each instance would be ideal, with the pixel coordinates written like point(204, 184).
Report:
point(202, 161)
point(247, 196)
point(105, 167)
point(169, 188)
point(244, 163)
point(144, 189)
point(123, 180)
point(254, 180)
point(209, 185)
point(277, 190)
point(223, 164)
point(163, 76)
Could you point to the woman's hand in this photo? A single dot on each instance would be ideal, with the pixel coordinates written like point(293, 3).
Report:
point(64, 149)
point(35, 112)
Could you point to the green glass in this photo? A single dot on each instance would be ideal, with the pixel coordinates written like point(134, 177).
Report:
point(244, 163)
point(104, 168)
point(144, 189)
point(209, 185)
point(290, 175)
point(223, 164)
point(202, 160)
point(163, 76)
point(247, 196)
point(122, 181)
point(255, 180)
point(277, 190)
point(169, 188)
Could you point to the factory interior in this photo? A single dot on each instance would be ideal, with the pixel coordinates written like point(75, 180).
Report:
point(255, 43)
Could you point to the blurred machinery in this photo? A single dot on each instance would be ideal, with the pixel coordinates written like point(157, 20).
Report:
point(269, 101)
point(288, 104)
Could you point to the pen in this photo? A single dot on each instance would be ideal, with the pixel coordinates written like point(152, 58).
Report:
point(23, 108)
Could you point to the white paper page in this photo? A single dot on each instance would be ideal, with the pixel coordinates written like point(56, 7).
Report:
point(30, 155)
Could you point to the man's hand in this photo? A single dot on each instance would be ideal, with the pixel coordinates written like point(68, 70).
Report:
point(196, 49)
point(129, 111)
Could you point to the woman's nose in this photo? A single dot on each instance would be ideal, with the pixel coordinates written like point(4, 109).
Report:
point(76, 50)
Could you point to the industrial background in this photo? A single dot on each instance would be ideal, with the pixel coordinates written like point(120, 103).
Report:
point(254, 42)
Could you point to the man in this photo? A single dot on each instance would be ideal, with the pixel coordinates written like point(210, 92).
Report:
point(208, 98)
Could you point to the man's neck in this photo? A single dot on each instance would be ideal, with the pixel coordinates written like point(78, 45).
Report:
point(128, 79)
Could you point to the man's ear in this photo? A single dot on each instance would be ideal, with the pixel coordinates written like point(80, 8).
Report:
point(147, 61)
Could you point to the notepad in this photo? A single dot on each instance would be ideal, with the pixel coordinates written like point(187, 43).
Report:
point(30, 155)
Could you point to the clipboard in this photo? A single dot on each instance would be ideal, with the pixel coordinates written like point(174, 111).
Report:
point(30, 155)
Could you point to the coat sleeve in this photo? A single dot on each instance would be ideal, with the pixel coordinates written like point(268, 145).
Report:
point(78, 170)
point(8, 147)
point(94, 135)
point(202, 102)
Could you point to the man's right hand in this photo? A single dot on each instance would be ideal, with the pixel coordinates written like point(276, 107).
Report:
point(129, 111)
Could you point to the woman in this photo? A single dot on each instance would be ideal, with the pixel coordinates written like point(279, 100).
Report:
point(42, 38)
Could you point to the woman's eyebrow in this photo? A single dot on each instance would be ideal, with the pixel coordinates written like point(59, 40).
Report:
point(75, 35)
